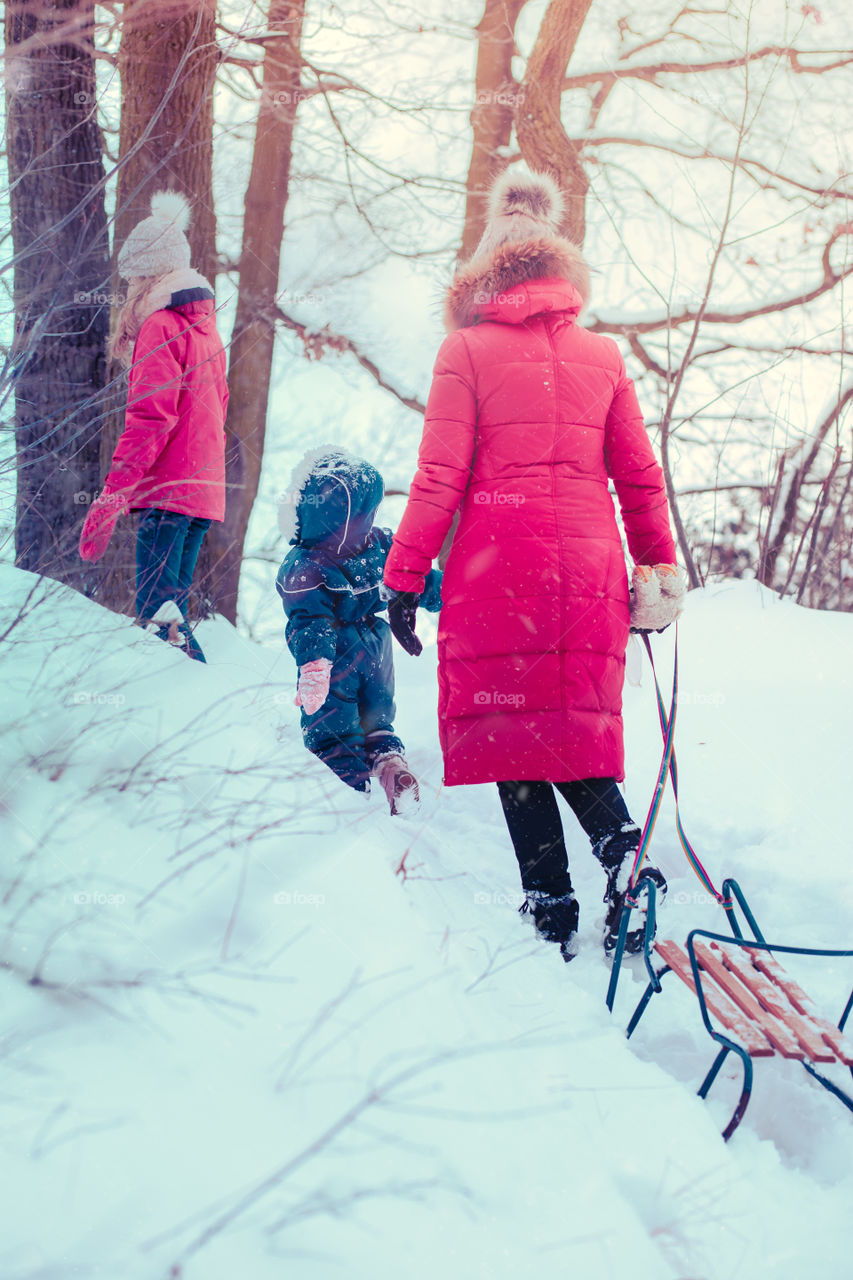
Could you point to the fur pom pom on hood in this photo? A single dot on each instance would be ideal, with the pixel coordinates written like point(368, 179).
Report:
point(519, 193)
point(521, 242)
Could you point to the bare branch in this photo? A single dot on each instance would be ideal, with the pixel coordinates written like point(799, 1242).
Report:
point(318, 342)
point(650, 71)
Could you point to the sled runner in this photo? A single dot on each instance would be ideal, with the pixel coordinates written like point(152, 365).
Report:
point(758, 1009)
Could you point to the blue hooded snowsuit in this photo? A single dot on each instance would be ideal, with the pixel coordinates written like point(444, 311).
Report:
point(329, 586)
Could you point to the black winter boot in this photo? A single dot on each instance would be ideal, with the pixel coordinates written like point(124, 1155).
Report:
point(616, 853)
point(556, 919)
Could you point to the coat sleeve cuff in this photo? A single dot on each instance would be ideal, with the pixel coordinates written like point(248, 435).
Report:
point(404, 580)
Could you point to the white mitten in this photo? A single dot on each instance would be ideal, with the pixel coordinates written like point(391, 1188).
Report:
point(657, 596)
point(313, 687)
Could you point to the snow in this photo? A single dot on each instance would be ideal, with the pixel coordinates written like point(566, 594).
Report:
point(273, 1028)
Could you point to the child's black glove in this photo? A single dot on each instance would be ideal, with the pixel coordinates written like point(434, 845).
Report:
point(402, 608)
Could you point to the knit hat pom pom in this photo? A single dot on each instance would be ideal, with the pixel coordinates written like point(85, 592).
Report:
point(537, 195)
point(171, 207)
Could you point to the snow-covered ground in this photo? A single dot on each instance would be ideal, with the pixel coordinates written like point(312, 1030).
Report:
point(251, 1023)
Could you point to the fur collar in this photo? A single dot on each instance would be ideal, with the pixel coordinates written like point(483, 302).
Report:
point(160, 294)
point(509, 265)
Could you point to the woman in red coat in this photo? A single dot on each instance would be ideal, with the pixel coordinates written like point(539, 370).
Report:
point(529, 417)
point(169, 464)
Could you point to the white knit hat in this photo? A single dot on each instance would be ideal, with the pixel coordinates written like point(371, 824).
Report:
point(158, 244)
point(522, 206)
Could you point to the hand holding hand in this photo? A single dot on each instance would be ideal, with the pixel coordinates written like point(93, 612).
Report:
point(402, 609)
point(657, 596)
point(312, 689)
point(99, 524)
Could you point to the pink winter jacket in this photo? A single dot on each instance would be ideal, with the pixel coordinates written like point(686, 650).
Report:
point(171, 453)
point(528, 418)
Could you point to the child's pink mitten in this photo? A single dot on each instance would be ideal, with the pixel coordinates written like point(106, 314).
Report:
point(313, 686)
point(99, 524)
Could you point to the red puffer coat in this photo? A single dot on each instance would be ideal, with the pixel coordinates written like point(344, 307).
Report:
point(171, 453)
point(527, 418)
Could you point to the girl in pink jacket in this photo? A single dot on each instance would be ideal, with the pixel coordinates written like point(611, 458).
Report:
point(529, 420)
point(169, 464)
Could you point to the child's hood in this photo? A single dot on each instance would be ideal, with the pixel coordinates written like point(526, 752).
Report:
point(332, 497)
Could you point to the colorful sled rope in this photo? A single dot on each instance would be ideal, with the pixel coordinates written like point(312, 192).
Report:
point(636, 881)
point(669, 766)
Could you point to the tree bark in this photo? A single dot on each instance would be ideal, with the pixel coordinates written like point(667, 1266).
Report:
point(494, 109)
point(59, 236)
point(168, 62)
point(254, 326)
point(787, 521)
point(542, 140)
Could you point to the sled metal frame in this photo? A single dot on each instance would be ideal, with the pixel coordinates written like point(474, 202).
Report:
point(731, 893)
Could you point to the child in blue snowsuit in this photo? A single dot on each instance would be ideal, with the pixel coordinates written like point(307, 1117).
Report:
point(329, 585)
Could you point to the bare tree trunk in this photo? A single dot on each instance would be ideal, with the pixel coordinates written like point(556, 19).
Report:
point(681, 537)
point(767, 569)
point(254, 326)
point(168, 62)
point(542, 139)
point(59, 234)
point(494, 108)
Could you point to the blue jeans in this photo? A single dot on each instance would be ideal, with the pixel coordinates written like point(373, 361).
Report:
point(167, 547)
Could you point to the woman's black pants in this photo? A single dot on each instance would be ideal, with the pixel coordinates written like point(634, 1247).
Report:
point(531, 813)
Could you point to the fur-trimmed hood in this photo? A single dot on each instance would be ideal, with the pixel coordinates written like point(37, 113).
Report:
point(480, 289)
point(167, 290)
point(332, 497)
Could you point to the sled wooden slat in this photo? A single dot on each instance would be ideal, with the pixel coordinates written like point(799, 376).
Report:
point(776, 1032)
point(776, 1003)
point(750, 995)
point(830, 1034)
point(718, 1003)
